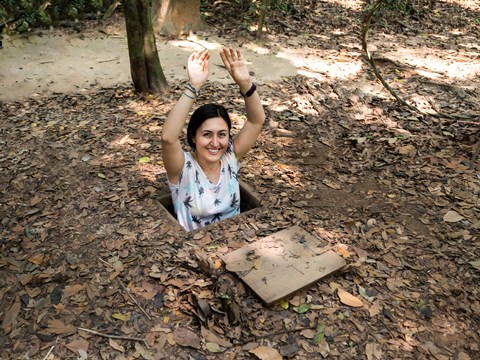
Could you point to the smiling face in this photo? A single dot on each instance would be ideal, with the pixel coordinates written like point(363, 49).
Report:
point(211, 139)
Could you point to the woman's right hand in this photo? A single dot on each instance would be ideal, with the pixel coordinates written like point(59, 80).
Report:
point(198, 68)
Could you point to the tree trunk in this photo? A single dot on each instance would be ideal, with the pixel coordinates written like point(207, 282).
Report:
point(261, 18)
point(176, 17)
point(145, 67)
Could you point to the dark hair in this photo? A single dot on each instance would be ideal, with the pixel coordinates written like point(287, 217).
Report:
point(205, 112)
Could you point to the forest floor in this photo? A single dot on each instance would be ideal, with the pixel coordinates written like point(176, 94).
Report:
point(93, 267)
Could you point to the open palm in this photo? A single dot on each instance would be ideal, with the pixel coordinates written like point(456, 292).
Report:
point(236, 66)
point(198, 68)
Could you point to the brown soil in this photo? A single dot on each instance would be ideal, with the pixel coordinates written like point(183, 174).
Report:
point(86, 244)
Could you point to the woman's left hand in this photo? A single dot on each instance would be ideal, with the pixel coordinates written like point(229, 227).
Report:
point(237, 68)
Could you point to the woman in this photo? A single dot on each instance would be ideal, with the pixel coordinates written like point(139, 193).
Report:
point(204, 182)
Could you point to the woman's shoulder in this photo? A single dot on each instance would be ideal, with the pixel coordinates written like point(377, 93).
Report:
point(190, 161)
point(230, 158)
point(188, 156)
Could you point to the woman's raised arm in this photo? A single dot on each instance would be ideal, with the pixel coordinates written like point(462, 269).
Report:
point(172, 152)
point(237, 68)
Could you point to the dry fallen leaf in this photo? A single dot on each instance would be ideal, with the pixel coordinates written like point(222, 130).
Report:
point(373, 351)
point(122, 317)
point(452, 216)
point(116, 345)
point(155, 272)
point(37, 259)
point(214, 338)
point(375, 309)
point(36, 200)
point(56, 326)
point(160, 328)
point(72, 290)
point(343, 250)
point(79, 344)
point(406, 150)
point(11, 316)
point(475, 264)
point(185, 337)
point(217, 264)
point(463, 356)
point(332, 184)
point(348, 299)
point(213, 347)
point(308, 333)
point(266, 353)
point(82, 354)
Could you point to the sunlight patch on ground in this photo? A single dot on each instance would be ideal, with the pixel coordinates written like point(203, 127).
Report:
point(278, 106)
point(347, 4)
point(150, 171)
point(259, 59)
point(125, 140)
point(318, 67)
point(452, 66)
point(194, 43)
point(257, 48)
point(367, 87)
point(148, 165)
point(467, 4)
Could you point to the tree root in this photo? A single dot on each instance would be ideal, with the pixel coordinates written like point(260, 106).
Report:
point(374, 9)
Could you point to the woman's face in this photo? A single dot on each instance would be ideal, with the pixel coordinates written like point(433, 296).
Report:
point(211, 139)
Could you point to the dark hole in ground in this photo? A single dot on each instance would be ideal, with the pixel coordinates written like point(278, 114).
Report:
point(248, 201)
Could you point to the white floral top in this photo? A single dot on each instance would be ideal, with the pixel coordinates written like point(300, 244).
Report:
point(198, 202)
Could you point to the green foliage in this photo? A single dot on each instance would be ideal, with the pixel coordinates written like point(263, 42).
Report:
point(319, 334)
point(72, 13)
point(44, 18)
point(404, 6)
point(97, 4)
point(244, 14)
point(285, 6)
point(78, 4)
point(22, 27)
point(24, 14)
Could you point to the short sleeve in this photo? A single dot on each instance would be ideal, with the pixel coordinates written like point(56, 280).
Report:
point(230, 156)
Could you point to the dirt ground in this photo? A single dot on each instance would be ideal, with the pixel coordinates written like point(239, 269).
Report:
point(92, 266)
point(65, 62)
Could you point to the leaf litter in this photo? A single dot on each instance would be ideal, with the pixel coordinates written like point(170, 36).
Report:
point(87, 249)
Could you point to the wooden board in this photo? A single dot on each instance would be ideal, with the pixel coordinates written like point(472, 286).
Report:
point(282, 263)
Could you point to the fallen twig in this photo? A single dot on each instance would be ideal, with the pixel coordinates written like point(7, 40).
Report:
point(133, 299)
point(118, 337)
point(106, 263)
point(49, 352)
point(104, 61)
point(126, 290)
point(366, 27)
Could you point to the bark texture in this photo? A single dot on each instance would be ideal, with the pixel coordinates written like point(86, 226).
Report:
point(176, 17)
point(145, 67)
